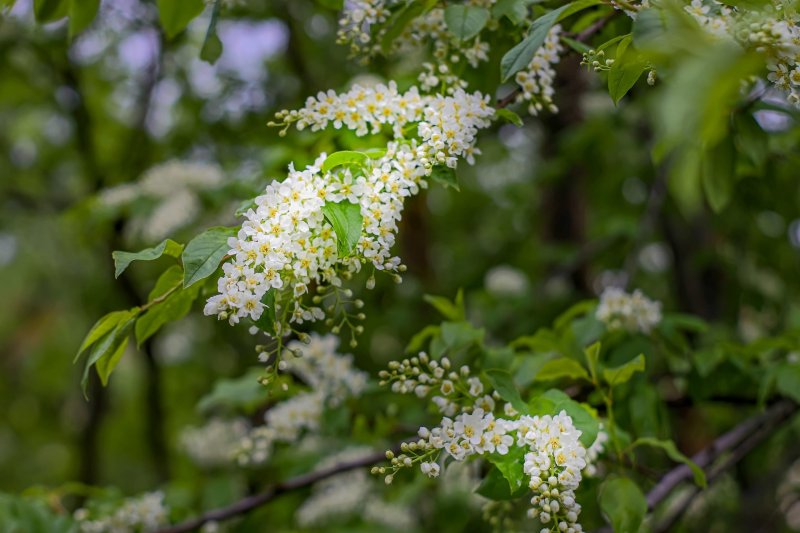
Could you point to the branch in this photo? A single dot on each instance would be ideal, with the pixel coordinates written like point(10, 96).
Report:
point(245, 505)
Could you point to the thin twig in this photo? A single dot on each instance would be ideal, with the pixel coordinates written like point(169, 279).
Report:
point(249, 503)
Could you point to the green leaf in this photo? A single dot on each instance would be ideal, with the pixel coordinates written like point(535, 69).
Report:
point(105, 353)
point(204, 253)
point(510, 466)
point(101, 328)
point(244, 393)
point(346, 220)
point(515, 10)
point(592, 354)
point(465, 22)
point(175, 15)
point(401, 18)
point(623, 504)
point(445, 175)
point(266, 322)
point(625, 71)
point(562, 368)
point(50, 10)
point(578, 46)
point(787, 381)
point(212, 46)
point(81, 14)
point(418, 341)
point(554, 401)
point(495, 487)
point(751, 139)
point(345, 157)
point(450, 310)
point(673, 453)
point(174, 307)
point(503, 383)
point(123, 259)
point(521, 55)
point(509, 116)
point(22, 514)
point(622, 373)
point(717, 174)
point(456, 335)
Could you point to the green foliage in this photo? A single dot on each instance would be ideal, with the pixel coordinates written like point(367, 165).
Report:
point(465, 22)
point(621, 374)
point(203, 254)
point(81, 14)
point(446, 176)
point(627, 69)
point(175, 15)
point(212, 46)
point(561, 368)
point(19, 514)
point(245, 394)
point(673, 453)
point(509, 116)
point(451, 310)
point(623, 504)
point(169, 302)
point(344, 158)
point(123, 259)
point(554, 401)
point(503, 383)
point(346, 219)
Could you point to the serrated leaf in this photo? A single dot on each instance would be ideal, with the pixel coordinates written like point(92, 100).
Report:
point(623, 504)
point(561, 368)
point(464, 21)
point(347, 221)
point(123, 259)
point(502, 382)
point(345, 157)
point(621, 374)
point(446, 176)
point(81, 14)
point(520, 56)
point(212, 46)
point(673, 453)
point(509, 116)
point(202, 255)
point(174, 307)
point(175, 15)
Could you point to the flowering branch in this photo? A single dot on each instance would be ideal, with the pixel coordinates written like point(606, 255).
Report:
point(247, 504)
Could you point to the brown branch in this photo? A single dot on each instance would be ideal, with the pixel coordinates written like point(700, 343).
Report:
point(245, 505)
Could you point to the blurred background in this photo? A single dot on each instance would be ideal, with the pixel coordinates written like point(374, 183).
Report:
point(121, 137)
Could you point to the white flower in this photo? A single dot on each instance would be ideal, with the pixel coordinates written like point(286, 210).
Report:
point(215, 443)
point(143, 513)
point(429, 468)
point(632, 312)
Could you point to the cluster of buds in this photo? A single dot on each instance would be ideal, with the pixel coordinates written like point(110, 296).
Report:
point(419, 452)
point(596, 60)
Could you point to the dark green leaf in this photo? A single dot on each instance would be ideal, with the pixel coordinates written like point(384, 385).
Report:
point(717, 173)
point(464, 21)
point(204, 253)
point(626, 70)
point(578, 46)
point(266, 322)
point(105, 353)
point(623, 504)
point(510, 466)
point(445, 175)
point(123, 259)
point(495, 487)
point(515, 10)
point(81, 14)
point(101, 328)
point(175, 15)
point(50, 10)
point(509, 116)
point(346, 220)
point(245, 393)
point(787, 381)
point(174, 307)
point(212, 46)
point(673, 453)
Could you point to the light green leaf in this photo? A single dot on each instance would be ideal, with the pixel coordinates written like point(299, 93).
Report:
point(81, 14)
point(509, 116)
point(454, 311)
point(578, 46)
point(123, 259)
point(673, 453)
point(445, 175)
point(106, 365)
point(623, 504)
point(626, 70)
point(465, 22)
point(622, 373)
point(346, 220)
point(212, 46)
point(174, 307)
point(100, 328)
point(345, 157)
point(175, 15)
point(106, 351)
point(515, 10)
point(521, 55)
point(593, 359)
point(503, 383)
point(418, 341)
point(510, 466)
point(562, 368)
point(204, 253)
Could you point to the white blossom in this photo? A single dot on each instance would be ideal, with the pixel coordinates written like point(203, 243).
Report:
point(143, 513)
point(632, 312)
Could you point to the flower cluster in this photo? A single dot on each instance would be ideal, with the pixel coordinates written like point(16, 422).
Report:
point(287, 243)
point(143, 513)
point(357, 20)
point(347, 494)
point(536, 81)
point(332, 379)
point(215, 443)
point(632, 312)
point(772, 31)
